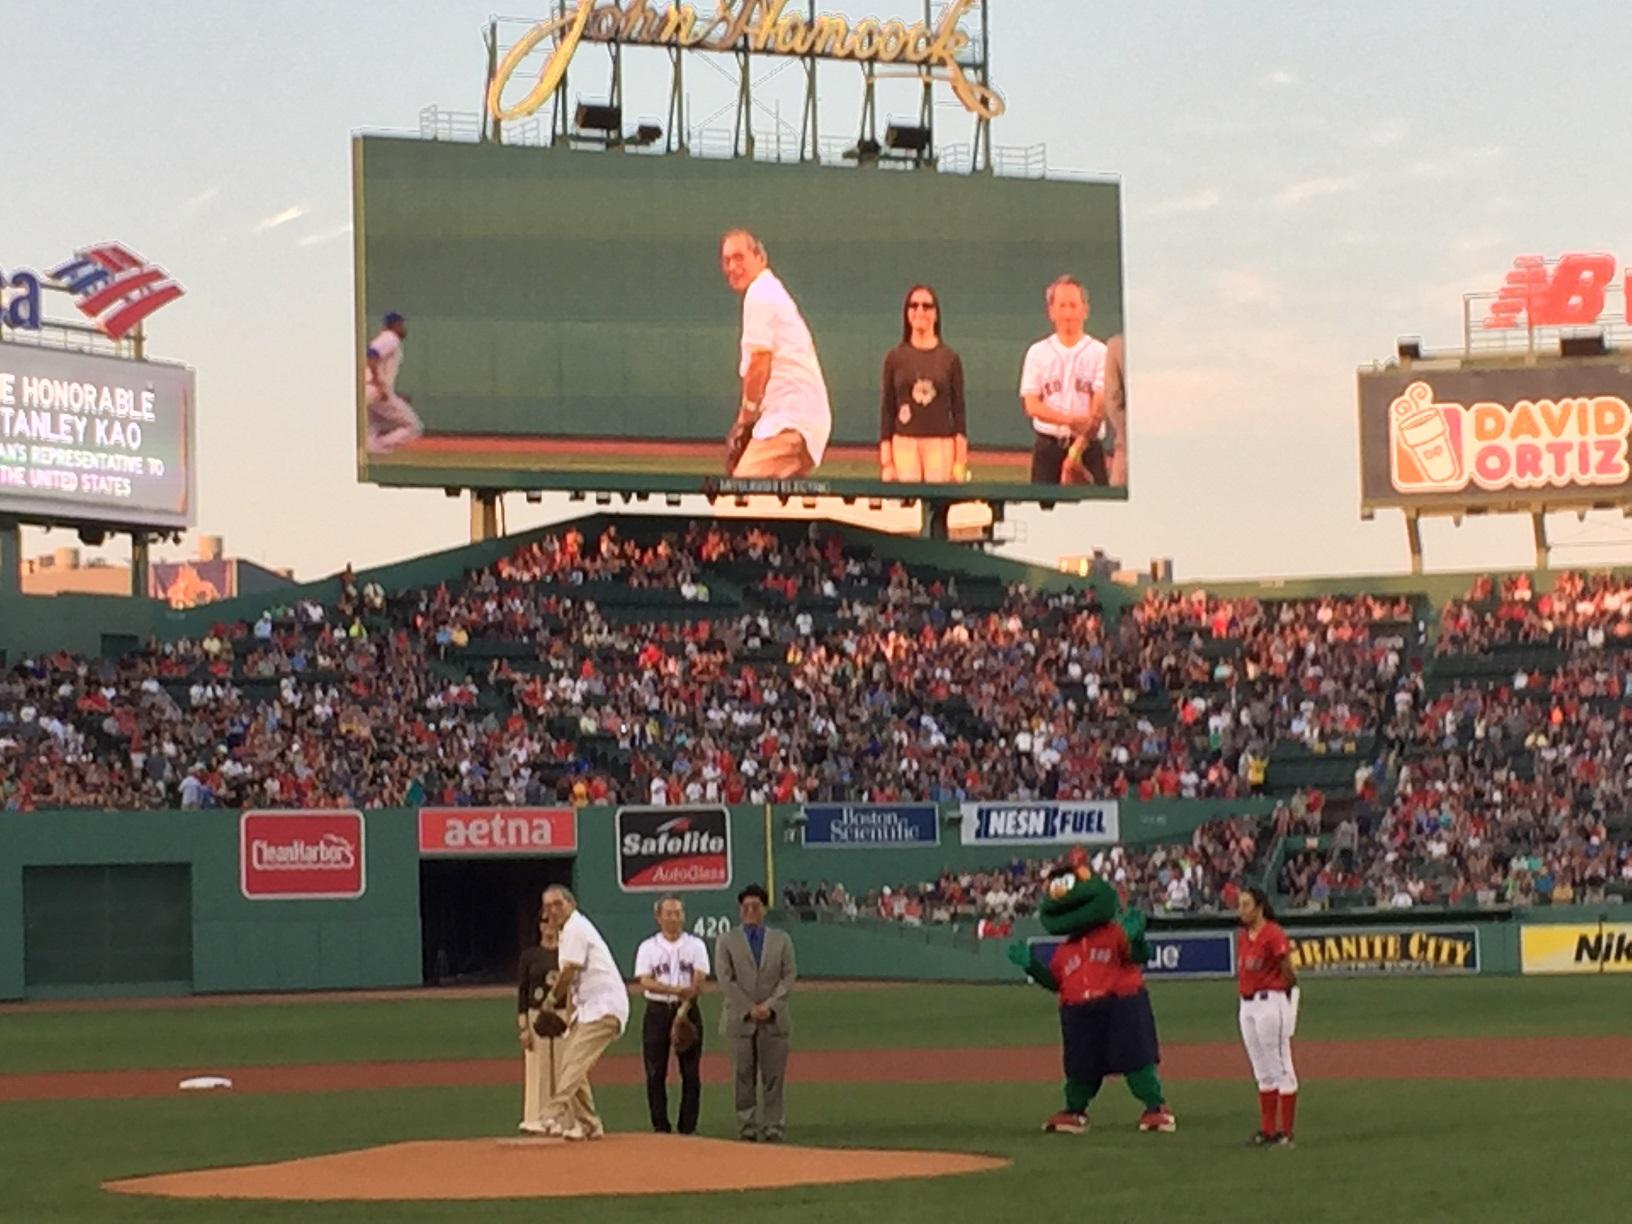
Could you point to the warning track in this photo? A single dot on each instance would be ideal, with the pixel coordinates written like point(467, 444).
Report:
point(1434, 1058)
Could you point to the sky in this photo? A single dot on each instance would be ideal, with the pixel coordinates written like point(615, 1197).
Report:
point(1302, 185)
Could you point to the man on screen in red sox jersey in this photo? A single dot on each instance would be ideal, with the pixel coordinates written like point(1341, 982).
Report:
point(1062, 388)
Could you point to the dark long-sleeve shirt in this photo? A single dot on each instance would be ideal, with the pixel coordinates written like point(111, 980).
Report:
point(923, 393)
point(535, 977)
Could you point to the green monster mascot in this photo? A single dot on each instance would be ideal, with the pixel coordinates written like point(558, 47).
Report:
point(1106, 1024)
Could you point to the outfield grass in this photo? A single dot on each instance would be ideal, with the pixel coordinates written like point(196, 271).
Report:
point(1367, 1152)
point(896, 1017)
point(1409, 1150)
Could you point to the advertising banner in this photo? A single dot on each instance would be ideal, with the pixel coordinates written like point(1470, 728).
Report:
point(85, 437)
point(1398, 949)
point(866, 825)
point(1040, 824)
point(1201, 955)
point(301, 855)
point(1510, 436)
point(1600, 947)
point(673, 849)
point(493, 831)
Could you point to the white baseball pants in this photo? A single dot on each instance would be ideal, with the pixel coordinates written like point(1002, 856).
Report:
point(1268, 1020)
point(391, 423)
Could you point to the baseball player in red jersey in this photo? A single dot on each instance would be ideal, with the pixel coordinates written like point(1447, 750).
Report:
point(1269, 1015)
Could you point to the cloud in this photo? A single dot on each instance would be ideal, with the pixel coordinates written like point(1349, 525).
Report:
point(1205, 200)
point(1211, 127)
point(1281, 78)
point(1456, 162)
point(1296, 194)
point(195, 204)
point(293, 213)
point(1478, 241)
point(323, 237)
point(1244, 287)
point(1385, 135)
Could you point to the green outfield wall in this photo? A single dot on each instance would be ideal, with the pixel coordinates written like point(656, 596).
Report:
point(128, 903)
point(75, 861)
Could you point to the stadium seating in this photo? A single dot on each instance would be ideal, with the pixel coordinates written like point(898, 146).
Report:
point(670, 660)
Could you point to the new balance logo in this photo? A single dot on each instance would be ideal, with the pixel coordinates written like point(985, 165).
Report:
point(115, 287)
point(1568, 294)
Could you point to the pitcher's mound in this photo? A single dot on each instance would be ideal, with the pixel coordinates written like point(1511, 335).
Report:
point(545, 1168)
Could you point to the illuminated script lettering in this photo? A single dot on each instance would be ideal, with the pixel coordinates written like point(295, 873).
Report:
point(762, 27)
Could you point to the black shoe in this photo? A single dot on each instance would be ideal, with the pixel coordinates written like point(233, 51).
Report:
point(1263, 1139)
point(772, 1137)
point(748, 1137)
point(1284, 1141)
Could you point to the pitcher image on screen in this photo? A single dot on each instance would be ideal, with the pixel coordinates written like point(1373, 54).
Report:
point(1420, 430)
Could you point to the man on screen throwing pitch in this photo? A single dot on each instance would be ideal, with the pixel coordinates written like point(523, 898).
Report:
point(392, 422)
point(784, 418)
point(1062, 389)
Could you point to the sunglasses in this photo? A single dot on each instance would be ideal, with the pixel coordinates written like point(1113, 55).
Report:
point(920, 305)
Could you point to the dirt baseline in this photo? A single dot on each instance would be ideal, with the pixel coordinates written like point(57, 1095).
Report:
point(1519, 1058)
point(469, 1169)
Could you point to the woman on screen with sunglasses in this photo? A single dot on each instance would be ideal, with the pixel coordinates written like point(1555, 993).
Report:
point(922, 436)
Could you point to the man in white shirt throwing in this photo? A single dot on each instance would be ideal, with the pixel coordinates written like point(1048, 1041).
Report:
point(391, 422)
point(600, 1000)
point(784, 417)
point(672, 967)
point(1062, 388)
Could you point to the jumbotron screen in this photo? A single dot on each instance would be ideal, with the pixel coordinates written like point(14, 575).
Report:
point(555, 319)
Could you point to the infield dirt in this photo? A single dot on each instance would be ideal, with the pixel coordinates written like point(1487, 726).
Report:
point(550, 1168)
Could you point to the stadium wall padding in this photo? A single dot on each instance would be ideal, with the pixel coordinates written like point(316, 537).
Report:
point(240, 945)
point(863, 868)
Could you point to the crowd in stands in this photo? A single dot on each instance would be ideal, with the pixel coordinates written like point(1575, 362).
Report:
point(734, 663)
point(1509, 785)
point(1203, 876)
point(1582, 611)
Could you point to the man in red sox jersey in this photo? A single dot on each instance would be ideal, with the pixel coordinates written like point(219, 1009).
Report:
point(1269, 1015)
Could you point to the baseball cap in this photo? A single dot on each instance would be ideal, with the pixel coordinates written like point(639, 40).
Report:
point(392, 316)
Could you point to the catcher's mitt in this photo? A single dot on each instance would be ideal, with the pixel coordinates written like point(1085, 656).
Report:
point(736, 442)
point(683, 1034)
point(549, 1023)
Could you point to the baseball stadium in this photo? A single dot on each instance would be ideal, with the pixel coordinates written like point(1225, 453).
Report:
point(728, 849)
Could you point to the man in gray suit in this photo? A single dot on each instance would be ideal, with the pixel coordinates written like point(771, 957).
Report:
point(754, 966)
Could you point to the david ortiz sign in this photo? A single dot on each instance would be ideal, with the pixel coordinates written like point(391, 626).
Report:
point(1040, 823)
point(679, 849)
point(301, 856)
point(495, 831)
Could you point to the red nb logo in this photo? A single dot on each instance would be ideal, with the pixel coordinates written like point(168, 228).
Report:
point(1569, 294)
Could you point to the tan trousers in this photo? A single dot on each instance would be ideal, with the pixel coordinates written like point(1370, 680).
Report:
point(780, 457)
point(572, 1103)
point(922, 459)
point(541, 1071)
